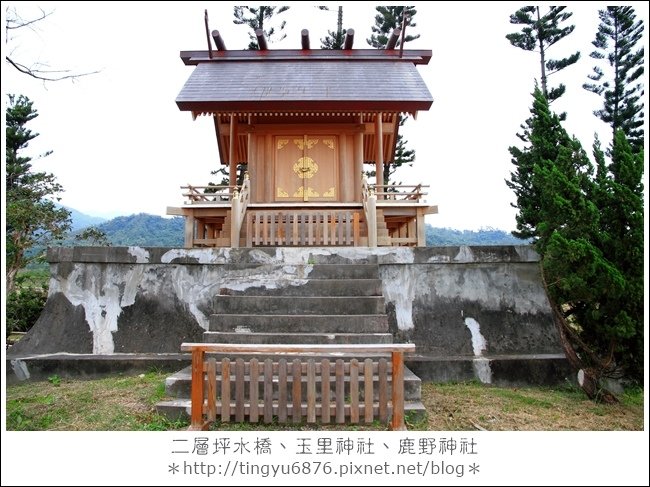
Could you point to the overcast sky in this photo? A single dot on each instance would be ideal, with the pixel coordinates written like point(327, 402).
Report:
point(121, 146)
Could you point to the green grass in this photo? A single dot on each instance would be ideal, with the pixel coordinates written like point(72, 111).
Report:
point(126, 403)
point(633, 397)
point(469, 406)
point(118, 403)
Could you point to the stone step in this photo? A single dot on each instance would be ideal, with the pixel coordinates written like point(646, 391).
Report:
point(176, 409)
point(293, 286)
point(297, 323)
point(299, 305)
point(179, 385)
point(296, 338)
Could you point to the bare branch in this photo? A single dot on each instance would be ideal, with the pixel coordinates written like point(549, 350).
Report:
point(42, 74)
point(17, 22)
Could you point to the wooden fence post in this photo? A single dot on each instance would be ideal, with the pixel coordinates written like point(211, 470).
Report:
point(398, 391)
point(198, 424)
point(372, 220)
point(235, 226)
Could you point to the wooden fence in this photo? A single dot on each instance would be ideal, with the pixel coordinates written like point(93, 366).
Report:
point(309, 388)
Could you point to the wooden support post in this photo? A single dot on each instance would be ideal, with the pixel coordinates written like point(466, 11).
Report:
point(379, 145)
point(358, 162)
point(372, 220)
point(397, 423)
point(345, 185)
point(422, 237)
point(218, 40)
point(268, 174)
point(232, 154)
point(189, 231)
point(235, 225)
point(197, 391)
point(304, 38)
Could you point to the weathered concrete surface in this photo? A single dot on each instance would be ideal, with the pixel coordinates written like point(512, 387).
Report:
point(91, 366)
point(469, 302)
point(471, 308)
point(61, 327)
point(505, 370)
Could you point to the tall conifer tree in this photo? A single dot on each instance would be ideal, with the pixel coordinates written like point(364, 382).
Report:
point(334, 38)
point(539, 33)
point(586, 230)
point(621, 88)
point(259, 18)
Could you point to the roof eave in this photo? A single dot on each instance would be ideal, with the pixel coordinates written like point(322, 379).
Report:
point(409, 106)
point(415, 56)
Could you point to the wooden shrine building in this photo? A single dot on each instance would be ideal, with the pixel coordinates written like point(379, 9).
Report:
point(299, 127)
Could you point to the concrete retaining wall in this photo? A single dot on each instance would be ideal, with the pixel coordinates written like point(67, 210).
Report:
point(470, 302)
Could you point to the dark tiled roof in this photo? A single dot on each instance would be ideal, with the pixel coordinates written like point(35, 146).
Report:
point(296, 85)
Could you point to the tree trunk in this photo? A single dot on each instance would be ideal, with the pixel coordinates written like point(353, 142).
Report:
point(589, 382)
point(11, 279)
point(588, 378)
point(542, 59)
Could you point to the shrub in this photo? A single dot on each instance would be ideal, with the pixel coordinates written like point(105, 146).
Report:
point(24, 305)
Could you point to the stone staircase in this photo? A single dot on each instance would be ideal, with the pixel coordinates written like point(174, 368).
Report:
point(307, 304)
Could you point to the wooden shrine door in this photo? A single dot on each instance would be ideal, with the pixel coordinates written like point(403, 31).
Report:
point(306, 168)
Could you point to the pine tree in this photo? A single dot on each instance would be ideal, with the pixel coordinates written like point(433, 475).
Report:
point(334, 39)
point(386, 20)
point(621, 216)
point(588, 230)
point(32, 217)
point(544, 133)
point(255, 18)
point(540, 32)
point(622, 90)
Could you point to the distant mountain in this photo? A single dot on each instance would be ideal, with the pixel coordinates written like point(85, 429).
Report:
point(81, 220)
point(144, 230)
point(154, 231)
point(486, 236)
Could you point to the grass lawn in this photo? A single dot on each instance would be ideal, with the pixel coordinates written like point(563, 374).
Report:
point(126, 403)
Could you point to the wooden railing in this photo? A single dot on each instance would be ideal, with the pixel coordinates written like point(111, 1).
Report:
point(303, 227)
point(370, 210)
point(208, 194)
point(240, 200)
point(400, 192)
point(281, 384)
